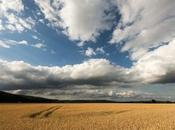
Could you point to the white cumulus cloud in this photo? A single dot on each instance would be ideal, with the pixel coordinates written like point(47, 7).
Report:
point(39, 45)
point(90, 52)
point(81, 20)
point(144, 25)
point(10, 16)
point(9, 43)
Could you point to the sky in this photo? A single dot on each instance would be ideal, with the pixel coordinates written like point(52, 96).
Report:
point(88, 49)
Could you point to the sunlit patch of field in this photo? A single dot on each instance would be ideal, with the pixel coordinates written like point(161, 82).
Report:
point(87, 116)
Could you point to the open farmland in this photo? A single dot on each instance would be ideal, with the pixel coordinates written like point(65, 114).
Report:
point(87, 116)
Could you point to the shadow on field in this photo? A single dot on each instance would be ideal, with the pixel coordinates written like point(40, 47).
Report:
point(102, 113)
point(44, 113)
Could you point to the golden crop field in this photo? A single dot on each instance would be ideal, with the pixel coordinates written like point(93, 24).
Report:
point(87, 116)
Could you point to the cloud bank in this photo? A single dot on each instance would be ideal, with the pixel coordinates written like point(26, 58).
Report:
point(18, 74)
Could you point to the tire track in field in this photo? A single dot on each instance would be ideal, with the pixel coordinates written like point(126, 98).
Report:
point(44, 113)
point(35, 114)
point(48, 113)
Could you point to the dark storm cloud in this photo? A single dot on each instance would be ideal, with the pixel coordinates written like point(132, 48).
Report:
point(84, 94)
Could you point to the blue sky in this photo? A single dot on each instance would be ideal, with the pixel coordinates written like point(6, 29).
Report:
point(59, 49)
point(104, 49)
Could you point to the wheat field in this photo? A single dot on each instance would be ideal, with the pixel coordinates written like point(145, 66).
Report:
point(87, 116)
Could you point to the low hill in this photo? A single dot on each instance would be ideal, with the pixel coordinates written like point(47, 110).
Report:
point(13, 98)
